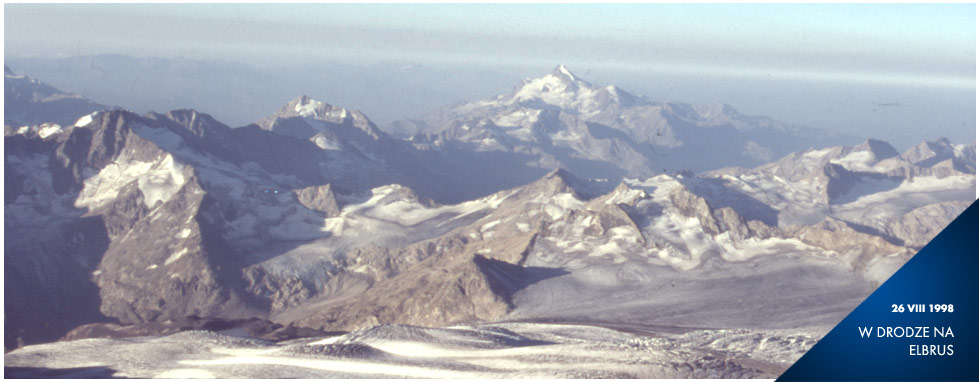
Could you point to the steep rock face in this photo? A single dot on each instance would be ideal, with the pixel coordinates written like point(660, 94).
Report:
point(203, 133)
point(172, 265)
point(319, 198)
point(927, 154)
point(121, 215)
point(717, 221)
point(440, 290)
point(54, 242)
point(47, 279)
point(692, 205)
point(840, 182)
point(918, 226)
point(163, 262)
point(842, 238)
point(97, 145)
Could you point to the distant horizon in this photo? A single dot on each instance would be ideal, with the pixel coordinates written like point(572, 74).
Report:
point(826, 66)
point(932, 44)
point(900, 144)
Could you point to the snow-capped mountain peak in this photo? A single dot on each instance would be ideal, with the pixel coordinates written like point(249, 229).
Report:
point(304, 106)
point(549, 88)
point(562, 89)
point(307, 106)
point(613, 129)
point(562, 71)
point(304, 117)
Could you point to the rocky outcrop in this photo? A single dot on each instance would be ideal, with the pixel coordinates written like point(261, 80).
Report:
point(147, 251)
point(435, 282)
point(717, 221)
point(169, 266)
point(917, 227)
point(840, 181)
point(319, 198)
point(440, 291)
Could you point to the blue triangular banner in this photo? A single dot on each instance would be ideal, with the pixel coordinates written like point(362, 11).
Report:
point(920, 325)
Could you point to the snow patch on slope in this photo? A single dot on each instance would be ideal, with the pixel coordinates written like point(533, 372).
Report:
point(161, 182)
point(175, 256)
point(158, 181)
point(48, 130)
point(390, 216)
point(325, 143)
point(86, 120)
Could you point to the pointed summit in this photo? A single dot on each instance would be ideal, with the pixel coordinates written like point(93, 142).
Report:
point(555, 182)
point(562, 71)
point(560, 87)
point(561, 173)
point(879, 149)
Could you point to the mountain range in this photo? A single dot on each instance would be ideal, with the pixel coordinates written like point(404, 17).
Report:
point(239, 93)
point(561, 120)
point(28, 101)
point(561, 201)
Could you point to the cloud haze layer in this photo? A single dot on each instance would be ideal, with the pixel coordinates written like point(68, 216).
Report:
point(736, 54)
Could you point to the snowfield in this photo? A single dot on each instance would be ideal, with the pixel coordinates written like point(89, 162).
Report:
point(497, 350)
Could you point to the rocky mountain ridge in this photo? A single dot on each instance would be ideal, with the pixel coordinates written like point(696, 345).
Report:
point(28, 101)
point(315, 218)
point(561, 120)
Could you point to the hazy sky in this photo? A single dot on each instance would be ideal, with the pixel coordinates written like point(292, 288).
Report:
point(914, 43)
point(902, 49)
